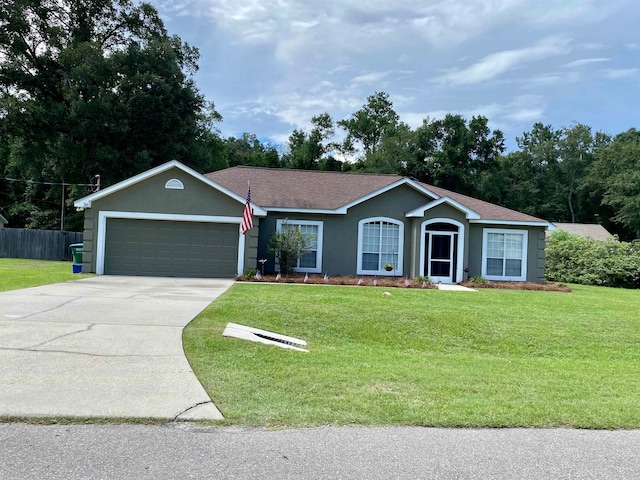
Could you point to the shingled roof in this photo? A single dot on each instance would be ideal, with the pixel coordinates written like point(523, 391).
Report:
point(588, 230)
point(320, 190)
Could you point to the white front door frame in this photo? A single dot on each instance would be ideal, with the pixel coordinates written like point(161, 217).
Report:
point(424, 249)
point(441, 278)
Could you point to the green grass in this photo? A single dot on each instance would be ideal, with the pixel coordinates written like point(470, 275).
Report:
point(18, 273)
point(496, 358)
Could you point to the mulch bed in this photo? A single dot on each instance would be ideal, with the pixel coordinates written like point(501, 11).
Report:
point(390, 282)
point(400, 282)
point(545, 287)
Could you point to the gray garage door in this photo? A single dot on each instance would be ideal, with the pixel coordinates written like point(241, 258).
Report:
point(170, 249)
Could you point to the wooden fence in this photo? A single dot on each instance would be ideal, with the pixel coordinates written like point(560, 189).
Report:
point(37, 244)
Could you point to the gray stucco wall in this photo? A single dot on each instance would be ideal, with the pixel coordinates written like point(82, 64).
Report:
point(340, 238)
point(535, 250)
point(151, 196)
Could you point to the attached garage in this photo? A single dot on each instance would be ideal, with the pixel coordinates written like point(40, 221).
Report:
point(168, 221)
point(169, 248)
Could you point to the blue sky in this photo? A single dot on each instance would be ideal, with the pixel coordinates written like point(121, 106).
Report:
point(269, 66)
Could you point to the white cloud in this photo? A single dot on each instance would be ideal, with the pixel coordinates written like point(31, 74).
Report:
point(544, 80)
point(520, 110)
point(372, 78)
point(499, 63)
point(294, 28)
point(271, 66)
point(585, 61)
point(620, 73)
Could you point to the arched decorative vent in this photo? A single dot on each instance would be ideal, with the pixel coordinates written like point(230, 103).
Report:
point(174, 184)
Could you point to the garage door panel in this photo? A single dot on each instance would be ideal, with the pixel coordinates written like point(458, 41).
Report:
point(166, 248)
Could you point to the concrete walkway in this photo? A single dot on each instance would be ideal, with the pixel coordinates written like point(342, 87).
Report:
point(107, 346)
point(454, 288)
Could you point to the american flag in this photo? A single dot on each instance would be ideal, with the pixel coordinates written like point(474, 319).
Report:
point(247, 220)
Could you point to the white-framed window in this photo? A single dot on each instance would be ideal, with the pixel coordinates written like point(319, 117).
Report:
point(309, 262)
point(380, 241)
point(174, 184)
point(504, 254)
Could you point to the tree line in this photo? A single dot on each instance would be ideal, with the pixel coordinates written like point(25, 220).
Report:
point(100, 87)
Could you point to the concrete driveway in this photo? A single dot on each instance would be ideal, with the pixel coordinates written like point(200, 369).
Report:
point(106, 346)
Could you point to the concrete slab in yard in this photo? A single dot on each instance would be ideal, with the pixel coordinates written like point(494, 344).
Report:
point(454, 288)
point(105, 346)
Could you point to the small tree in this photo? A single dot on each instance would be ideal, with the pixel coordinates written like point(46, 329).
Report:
point(288, 245)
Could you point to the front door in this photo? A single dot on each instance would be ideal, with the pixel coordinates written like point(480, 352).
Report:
point(440, 258)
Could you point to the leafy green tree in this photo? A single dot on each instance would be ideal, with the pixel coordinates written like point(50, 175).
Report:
point(96, 87)
point(617, 170)
point(369, 124)
point(576, 149)
point(395, 154)
point(288, 244)
point(548, 176)
point(248, 150)
point(307, 150)
point(455, 153)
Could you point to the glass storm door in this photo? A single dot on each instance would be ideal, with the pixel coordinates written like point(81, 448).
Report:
point(440, 257)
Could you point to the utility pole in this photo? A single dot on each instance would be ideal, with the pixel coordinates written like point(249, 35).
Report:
point(62, 207)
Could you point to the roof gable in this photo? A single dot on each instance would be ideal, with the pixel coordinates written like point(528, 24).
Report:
point(419, 212)
point(490, 211)
point(311, 191)
point(3, 220)
point(85, 202)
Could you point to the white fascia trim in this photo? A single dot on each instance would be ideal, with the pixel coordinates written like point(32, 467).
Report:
point(3, 220)
point(105, 214)
point(423, 247)
point(86, 201)
point(517, 223)
point(344, 208)
point(305, 210)
point(419, 212)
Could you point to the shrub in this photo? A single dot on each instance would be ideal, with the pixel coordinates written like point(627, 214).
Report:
point(479, 280)
point(250, 272)
point(288, 244)
point(575, 259)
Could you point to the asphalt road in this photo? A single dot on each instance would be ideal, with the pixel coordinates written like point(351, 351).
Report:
point(179, 450)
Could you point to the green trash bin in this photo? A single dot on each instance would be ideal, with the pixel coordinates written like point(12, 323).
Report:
point(76, 252)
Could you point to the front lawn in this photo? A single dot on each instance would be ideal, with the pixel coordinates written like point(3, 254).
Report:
point(496, 358)
point(18, 273)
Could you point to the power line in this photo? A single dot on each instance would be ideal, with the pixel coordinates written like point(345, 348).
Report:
point(51, 183)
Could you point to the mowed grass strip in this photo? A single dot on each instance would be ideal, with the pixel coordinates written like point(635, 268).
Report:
point(18, 273)
point(495, 358)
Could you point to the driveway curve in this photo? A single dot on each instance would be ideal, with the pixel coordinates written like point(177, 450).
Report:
point(106, 346)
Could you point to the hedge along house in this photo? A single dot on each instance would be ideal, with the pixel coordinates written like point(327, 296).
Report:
point(173, 221)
